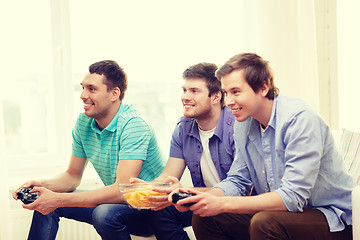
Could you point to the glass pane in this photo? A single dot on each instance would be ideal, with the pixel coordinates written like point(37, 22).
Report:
point(154, 41)
point(26, 76)
point(348, 61)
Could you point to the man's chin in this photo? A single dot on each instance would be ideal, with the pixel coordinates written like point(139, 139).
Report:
point(188, 115)
point(88, 114)
point(241, 118)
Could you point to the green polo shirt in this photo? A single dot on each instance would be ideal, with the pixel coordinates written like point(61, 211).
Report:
point(128, 136)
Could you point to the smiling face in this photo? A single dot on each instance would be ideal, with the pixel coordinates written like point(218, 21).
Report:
point(195, 98)
point(242, 99)
point(98, 101)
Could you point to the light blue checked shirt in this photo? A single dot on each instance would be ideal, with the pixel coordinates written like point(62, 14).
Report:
point(295, 156)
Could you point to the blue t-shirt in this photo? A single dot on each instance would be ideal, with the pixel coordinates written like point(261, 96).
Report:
point(296, 157)
point(127, 136)
point(186, 144)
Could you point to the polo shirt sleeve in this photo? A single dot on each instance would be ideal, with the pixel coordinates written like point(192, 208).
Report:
point(135, 139)
point(176, 144)
point(77, 146)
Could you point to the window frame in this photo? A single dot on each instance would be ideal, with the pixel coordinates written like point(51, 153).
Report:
point(62, 95)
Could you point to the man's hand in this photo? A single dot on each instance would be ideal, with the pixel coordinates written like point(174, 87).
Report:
point(207, 205)
point(162, 201)
point(47, 202)
point(181, 204)
point(203, 203)
point(136, 180)
point(27, 184)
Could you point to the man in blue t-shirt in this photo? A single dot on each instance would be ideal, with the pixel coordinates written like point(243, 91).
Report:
point(202, 141)
point(115, 139)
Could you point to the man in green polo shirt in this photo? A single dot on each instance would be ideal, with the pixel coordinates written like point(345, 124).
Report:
point(113, 137)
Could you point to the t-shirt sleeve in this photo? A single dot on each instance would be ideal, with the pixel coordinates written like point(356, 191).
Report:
point(135, 139)
point(77, 146)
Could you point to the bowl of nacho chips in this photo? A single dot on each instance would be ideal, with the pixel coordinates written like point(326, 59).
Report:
point(137, 194)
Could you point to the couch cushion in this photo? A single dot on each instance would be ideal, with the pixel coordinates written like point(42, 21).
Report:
point(350, 149)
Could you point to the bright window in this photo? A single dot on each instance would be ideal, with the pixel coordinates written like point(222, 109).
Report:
point(154, 41)
point(47, 49)
point(50, 45)
point(26, 92)
point(348, 52)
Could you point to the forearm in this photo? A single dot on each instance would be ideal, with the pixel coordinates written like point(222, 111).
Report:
point(202, 189)
point(217, 192)
point(174, 168)
point(69, 180)
point(92, 198)
point(64, 182)
point(161, 177)
point(253, 204)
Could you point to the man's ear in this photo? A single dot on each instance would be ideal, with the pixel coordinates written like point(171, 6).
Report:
point(264, 89)
point(115, 93)
point(217, 97)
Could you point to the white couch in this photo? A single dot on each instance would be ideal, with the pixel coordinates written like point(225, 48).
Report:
point(356, 212)
point(349, 146)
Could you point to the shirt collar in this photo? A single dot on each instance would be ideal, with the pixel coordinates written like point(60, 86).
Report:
point(112, 126)
point(254, 129)
point(194, 128)
point(272, 121)
point(225, 119)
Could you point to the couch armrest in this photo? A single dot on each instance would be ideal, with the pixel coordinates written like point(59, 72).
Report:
point(356, 212)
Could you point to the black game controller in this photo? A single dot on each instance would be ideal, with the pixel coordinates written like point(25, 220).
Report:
point(26, 196)
point(181, 195)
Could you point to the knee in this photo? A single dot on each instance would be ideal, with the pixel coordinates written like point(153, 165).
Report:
point(196, 220)
point(53, 215)
point(163, 214)
point(262, 222)
point(101, 215)
point(200, 223)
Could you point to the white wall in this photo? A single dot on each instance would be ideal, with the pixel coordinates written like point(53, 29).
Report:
point(349, 63)
point(4, 196)
point(283, 32)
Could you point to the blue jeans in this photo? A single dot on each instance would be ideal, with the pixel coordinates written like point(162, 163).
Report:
point(168, 223)
point(111, 221)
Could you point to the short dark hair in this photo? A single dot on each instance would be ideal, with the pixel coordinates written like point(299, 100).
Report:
point(114, 75)
point(256, 72)
point(205, 71)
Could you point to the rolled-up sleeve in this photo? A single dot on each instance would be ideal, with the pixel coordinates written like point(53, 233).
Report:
point(302, 144)
point(176, 145)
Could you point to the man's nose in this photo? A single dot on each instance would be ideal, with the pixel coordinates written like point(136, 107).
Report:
point(185, 96)
point(83, 95)
point(229, 100)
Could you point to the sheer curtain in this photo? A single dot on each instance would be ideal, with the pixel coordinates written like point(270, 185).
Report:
point(154, 41)
point(299, 38)
point(349, 52)
point(283, 32)
point(4, 190)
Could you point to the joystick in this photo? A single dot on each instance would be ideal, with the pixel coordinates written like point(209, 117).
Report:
point(26, 196)
point(181, 195)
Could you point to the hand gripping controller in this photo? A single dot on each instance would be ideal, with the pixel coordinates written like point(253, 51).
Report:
point(26, 196)
point(181, 195)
